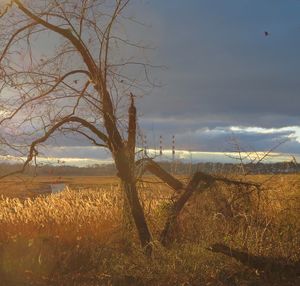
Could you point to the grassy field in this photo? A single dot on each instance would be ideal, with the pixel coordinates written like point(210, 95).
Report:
point(24, 187)
point(77, 237)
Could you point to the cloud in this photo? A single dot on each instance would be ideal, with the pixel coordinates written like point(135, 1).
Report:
point(191, 136)
point(222, 70)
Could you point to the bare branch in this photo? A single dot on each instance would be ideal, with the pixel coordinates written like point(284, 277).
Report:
point(33, 151)
point(65, 33)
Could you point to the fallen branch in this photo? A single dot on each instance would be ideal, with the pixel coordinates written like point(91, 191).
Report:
point(151, 166)
point(166, 237)
point(199, 182)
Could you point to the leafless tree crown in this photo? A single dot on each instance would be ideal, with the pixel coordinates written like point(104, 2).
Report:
point(68, 66)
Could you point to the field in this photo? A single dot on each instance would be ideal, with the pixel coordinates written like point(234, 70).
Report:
point(77, 237)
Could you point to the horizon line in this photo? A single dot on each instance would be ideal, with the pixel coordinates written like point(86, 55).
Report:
point(184, 156)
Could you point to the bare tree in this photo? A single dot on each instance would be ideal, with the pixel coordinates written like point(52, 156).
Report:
point(66, 65)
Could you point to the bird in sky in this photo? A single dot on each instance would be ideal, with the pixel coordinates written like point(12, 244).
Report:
point(267, 33)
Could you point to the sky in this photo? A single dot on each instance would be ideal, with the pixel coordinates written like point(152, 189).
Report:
point(224, 77)
point(224, 83)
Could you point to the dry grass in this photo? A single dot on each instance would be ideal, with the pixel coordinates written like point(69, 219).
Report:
point(76, 237)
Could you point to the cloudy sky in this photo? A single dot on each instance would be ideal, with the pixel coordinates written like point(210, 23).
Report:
point(225, 78)
point(225, 82)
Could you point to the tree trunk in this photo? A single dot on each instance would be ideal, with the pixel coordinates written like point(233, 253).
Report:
point(126, 172)
point(137, 212)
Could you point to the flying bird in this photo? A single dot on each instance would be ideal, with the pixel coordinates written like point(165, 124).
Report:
point(267, 33)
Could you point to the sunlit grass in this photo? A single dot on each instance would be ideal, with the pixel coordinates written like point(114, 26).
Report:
point(77, 236)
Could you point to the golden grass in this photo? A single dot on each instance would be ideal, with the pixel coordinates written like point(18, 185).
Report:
point(76, 237)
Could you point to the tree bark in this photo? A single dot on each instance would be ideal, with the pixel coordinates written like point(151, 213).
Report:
point(126, 172)
point(152, 167)
point(138, 216)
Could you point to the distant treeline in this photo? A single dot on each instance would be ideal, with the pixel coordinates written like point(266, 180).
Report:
point(231, 168)
point(174, 167)
point(50, 170)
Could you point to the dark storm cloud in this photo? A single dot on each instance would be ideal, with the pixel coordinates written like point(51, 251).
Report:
point(222, 69)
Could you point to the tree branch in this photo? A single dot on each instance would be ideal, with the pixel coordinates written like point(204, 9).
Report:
point(66, 34)
point(33, 152)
